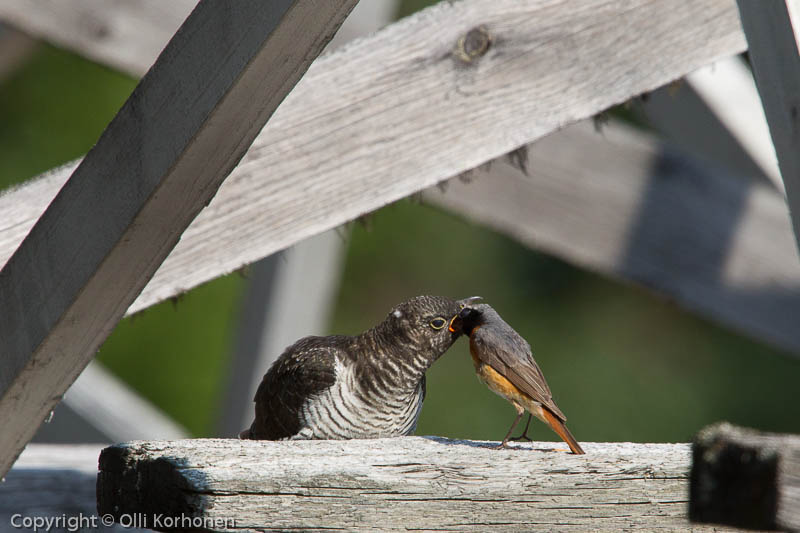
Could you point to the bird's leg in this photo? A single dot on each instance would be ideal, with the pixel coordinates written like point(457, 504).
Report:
point(520, 412)
point(524, 432)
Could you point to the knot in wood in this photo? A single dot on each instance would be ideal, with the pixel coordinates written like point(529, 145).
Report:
point(473, 44)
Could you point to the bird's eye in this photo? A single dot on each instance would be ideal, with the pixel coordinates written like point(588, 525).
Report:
point(438, 323)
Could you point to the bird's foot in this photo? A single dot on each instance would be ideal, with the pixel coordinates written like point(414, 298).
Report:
point(524, 436)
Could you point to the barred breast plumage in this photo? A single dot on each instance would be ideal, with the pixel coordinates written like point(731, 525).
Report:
point(346, 410)
point(364, 386)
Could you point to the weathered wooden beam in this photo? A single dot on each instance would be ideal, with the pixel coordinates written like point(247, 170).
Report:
point(745, 478)
point(50, 482)
point(728, 89)
point(158, 163)
point(99, 407)
point(716, 113)
point(116, 409)
point(626, 205)
point(125, 35)
point(772, 37)
point(399, 111)
point(428, 483)
point(290, 293)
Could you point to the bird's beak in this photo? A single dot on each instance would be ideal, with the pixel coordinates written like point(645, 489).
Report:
point(457, 322)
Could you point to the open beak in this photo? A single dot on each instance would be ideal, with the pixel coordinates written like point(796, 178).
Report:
point(457, 322)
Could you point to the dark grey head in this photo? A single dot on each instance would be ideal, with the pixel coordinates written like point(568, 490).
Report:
point(423, 325)
point(473, 315)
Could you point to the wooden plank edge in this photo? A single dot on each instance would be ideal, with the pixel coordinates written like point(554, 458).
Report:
point(63, 299)
point(745, 478)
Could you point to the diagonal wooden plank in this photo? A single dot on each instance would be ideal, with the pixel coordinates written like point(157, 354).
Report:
point(398, 112)
point(407, 114)
point(289, 294)
point(728, 89)
point(717, 113)
point(626, 205)
point(117, 410)
point(127, 35)
point(683, 115)
point(158, 163)
point(100, 407)
point(772, 37)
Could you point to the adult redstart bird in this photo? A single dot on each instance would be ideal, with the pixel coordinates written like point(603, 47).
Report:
point(364, 386)
point(504, 362)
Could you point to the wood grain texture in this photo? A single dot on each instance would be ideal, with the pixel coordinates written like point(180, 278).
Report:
point(290, 294)
point(124, 34)
point(745, 478)
point(427, 483)
point(623, 204)
point(155, 167)
point(395, 113)
point(771, 29)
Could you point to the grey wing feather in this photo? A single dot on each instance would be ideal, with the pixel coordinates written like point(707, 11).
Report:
point(511, 356)
point(304, 369)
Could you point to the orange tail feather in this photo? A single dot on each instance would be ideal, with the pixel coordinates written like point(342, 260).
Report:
point(559, 427)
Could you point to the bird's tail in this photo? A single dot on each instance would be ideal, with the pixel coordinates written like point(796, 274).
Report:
point(558, 426)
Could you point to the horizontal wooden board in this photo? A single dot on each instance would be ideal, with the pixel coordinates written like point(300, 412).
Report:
point(397, 112)
point(127, 35)
point(408, 483)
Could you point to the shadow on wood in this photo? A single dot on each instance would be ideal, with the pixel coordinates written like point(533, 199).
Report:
point(407, 116)
point(772, 50)
point(409, 482)
point(626, 205)
point(53, 482)
point(745, 478)
point(158, 163)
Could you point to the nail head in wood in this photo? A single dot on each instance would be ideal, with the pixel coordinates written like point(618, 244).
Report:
point(473, 44)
